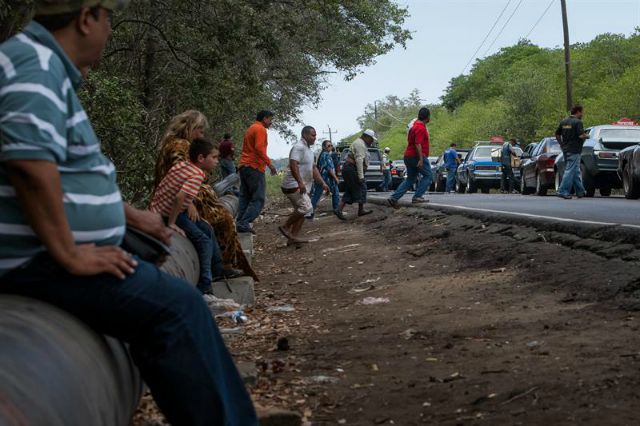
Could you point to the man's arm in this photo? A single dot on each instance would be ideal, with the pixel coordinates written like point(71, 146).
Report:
point(359, 155)
point(261, 149)
point(148, 222)
point(39, 191)
point(318, 178)
point(294, 166)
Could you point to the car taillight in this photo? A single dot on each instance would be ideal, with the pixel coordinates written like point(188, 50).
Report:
point(394, 172)
point(549, 161)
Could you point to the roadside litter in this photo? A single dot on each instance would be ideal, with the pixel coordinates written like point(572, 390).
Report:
point(283, 308)
point(237, 317)
point(373, 300)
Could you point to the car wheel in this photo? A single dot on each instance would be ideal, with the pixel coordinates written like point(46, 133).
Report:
point(631, 187)
point(485, 189)
point(440, 187)
point(605, 192)
point(459, 187)
point(524, 189)
point(471, 186)
point(587, 181)
point(541, 189)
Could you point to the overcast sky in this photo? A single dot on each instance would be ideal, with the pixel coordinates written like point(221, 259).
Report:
point(446, 33)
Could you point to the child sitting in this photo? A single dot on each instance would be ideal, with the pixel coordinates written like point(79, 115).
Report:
point(174, 197)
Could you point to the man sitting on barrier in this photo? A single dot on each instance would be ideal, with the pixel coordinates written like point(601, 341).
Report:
point(62, 220)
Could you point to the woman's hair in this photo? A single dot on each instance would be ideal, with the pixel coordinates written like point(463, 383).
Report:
point(325, 143)
point(183, 125)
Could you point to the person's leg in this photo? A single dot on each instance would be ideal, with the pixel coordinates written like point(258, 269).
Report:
point(257, 186)
point(577, 179)
point(244, 198)
point(335, 194)
point(511, 178)
point(503, 179)
point(173, 338)
point(412, 175)
point(451, 180)
point(425, 182)
point(217, 265)
point(568, 178)
point(317, 193)
point(202, 240)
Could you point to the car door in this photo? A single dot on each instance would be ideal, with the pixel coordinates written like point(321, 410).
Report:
point(462, 168)
point(530, 167)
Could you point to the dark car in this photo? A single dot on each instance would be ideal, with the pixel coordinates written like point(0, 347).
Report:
point(432, 163)
point(398, 170)
point(629, 171)
point(536, 171)
point(373, 175)
point(599, 157)
point(440, 175)
point(480, 170)
point(529, 148)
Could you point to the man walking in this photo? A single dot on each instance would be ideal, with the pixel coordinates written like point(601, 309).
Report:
point(386, 171)
point(507, 179)
point(571, 135)
point(353, 172)
point(297, 182)
point(416, 160)
point(62, 221)
point(252, 165)
point(451, 162)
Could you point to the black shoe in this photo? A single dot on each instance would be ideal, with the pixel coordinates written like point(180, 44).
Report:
point(339, 215)
point(393, 203)
point(566, 197)
point(364, 212)
point(205, 289)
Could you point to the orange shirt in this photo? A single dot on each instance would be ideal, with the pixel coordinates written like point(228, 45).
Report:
point(254, 148)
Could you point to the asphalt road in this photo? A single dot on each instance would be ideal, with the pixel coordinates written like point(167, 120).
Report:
point(597, 210)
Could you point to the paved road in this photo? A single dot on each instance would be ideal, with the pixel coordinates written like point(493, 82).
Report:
point(597, 210)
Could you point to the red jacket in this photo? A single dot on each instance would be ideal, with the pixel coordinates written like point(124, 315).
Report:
point(418, 135)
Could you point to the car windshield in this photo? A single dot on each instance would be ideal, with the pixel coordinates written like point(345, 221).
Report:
point(483, 153)
point(398, 163)
point(613, 134)
point(374, 155)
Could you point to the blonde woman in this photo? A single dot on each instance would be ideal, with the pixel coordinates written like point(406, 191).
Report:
point(174, 147)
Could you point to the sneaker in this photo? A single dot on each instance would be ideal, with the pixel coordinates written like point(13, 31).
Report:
point(340, 215)
point(419, 201)
point(232, 273)
point(565, 196)
point(393, 203)
point(205, 288)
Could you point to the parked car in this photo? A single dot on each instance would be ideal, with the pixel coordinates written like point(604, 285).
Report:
point(398, 170)
point(440, 175)
point(629, 171)
point(536, 171)
point(599, 158)
point(373, 175)
point(529, 148)
point(432, 163)
point(480, 170)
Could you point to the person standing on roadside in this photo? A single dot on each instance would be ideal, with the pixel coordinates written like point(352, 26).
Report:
point(507, 179)
point(353, 172)
point(386, 170)
point(227, 151)
point(328, 173)
point(297, 182)
point(416, 160)
point(252, 165)
point(571, 135)
point(451, 162)
point(63, 219)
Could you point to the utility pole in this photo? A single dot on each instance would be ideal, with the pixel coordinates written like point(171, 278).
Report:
point(330, 133)
point(375, 110)
point(567, 55)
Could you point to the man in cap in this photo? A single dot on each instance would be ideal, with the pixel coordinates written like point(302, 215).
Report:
point(62, 221)
point(353, 173)
point(386, 171)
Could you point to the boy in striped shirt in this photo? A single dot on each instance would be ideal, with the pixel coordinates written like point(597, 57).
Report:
point(173, 196)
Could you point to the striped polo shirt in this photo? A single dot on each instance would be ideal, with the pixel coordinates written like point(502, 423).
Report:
point(41, 118)
point(183, 176)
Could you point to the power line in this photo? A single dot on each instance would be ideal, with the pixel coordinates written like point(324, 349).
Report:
point(503, 27)
point(487, 36)
point(540, 19)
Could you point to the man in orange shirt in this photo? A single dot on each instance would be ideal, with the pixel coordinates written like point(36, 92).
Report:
point(252, 165)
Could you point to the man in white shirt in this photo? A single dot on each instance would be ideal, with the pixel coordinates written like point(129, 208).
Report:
point(297, 182)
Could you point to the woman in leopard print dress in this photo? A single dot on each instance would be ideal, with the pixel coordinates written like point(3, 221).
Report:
point(174, 147)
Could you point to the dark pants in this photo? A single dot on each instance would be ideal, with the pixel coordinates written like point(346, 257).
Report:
point(508, 180)
point(354, 190)
point(317, 193)
point(227, 167)
point(173, 339)
point(252, 195)
point(204, 240)
point(386, 182)
point(413, 172)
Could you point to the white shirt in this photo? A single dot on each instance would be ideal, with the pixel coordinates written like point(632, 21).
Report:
point(302, 153)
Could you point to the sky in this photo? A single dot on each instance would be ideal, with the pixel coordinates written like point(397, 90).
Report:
point(445, 35)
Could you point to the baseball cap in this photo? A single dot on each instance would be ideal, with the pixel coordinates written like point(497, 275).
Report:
point(387, 148)
point(58, 7)
point(371, 133)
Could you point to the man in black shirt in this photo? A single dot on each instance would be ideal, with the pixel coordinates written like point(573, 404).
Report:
point(571, 135)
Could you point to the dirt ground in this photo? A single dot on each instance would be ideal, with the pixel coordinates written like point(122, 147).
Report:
point(476, 323)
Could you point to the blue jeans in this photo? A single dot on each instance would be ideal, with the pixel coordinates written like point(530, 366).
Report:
point(572, 176)
point(252, 195)
point(227, 167)
point(317, 193)
point(451, 179)
point(203, 238)
point(412, 175)
point(173, 339)
point(384, 186)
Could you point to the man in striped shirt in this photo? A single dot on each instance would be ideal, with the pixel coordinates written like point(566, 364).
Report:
point(62, 219)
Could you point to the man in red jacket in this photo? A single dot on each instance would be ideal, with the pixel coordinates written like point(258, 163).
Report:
point(416, 160)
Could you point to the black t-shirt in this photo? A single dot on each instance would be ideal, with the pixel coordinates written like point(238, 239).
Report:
point(570, 130)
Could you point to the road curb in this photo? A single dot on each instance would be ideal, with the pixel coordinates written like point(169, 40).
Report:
point(629, 234)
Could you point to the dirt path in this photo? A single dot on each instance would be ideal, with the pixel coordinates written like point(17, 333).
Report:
point(484, 324)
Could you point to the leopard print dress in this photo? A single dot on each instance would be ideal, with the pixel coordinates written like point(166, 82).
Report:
point(209, 208)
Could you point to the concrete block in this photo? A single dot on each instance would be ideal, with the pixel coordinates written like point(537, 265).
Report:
point(239, 289)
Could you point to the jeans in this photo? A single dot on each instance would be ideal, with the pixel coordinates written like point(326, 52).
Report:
point(412, 175)
point(384, 186)
point(451, 179)
point(317, 193)
point(172, 336)
point(572, 176)
point(204, 240)
point(507, 179)
point(252, 195)
point(227, 167)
